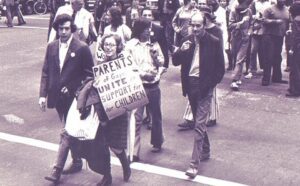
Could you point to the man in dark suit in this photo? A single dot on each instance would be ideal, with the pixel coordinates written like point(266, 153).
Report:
point(68, 62)
point(202, 68)
point(167, 10)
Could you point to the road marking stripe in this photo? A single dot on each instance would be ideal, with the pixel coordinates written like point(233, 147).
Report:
point(32, 17)
point(138, 166)
point(30, 27)
point(11, 118)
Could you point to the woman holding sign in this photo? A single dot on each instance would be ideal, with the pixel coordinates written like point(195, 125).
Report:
point(115, 129)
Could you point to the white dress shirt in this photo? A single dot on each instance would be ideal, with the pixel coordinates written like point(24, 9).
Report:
point(140, 53)
point(63, 49)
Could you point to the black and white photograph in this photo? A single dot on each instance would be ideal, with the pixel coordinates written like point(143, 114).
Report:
point(149, 92)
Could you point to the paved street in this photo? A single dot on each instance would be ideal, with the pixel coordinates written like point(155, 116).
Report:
point(255, 142)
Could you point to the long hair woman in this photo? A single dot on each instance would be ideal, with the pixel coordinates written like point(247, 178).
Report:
point(117, 26)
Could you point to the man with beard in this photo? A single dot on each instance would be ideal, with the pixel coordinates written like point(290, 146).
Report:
point(202, 68)
point(275, 25)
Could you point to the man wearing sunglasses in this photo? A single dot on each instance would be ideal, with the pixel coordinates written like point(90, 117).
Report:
point(202, 68)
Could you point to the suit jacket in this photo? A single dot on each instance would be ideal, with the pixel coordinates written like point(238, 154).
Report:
point(159, 36)
point(212, 67)
point(77, 66)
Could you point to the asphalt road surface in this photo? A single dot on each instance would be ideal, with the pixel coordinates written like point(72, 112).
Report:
point(256, 141)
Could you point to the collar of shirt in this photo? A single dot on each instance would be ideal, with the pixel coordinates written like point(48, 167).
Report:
point(67, 44)
point(147, 43)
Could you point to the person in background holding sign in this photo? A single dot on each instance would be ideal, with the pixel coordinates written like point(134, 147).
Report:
point(68, 62)
point(115, 129)
point(81, 17)
point(149, 59)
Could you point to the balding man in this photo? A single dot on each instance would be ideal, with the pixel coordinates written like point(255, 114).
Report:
point(202, 68)
point(81, 17)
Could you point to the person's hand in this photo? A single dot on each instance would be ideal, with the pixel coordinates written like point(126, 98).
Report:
point(153, 53)
point(177, 29)
point(288, 32)
point(279, 21)
point(245, 19)
point(42, 103)
point(186, 45)
point(148, 76)
point(291, 52)
point(64, 90)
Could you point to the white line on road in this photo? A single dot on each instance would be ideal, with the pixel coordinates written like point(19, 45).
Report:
point(138, 166)
point(30, 27)
point(32, 17)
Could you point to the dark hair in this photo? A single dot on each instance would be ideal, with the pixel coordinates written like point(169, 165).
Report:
point(111, 3)
point(139, 26)
point(61, 19)
point(118, 40)
point(116, 17)
point(146, 8)
point(185, 2)
point(208, 14)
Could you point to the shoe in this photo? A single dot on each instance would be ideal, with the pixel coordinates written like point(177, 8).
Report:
point(125, 165)
point(265, 83)
point(234, 86)
point(23, 23)
point(211, 123)
point(156, 149)
point(229, 68)
point(280, 81)
point(187, 125)
point(149, 126)
point(73, 168)
point(135, 158)
point(291, 95)
point(146, 120)
point(106, 181)
point(287, 69)
point(191, 172)
point(249, 75)
point(55, 175)
point(205, 156)
point(238, 82)
point(10, 26)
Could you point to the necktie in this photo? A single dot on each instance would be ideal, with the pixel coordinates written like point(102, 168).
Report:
point(74, 15)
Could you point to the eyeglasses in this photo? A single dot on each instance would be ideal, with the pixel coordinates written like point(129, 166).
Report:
point(109, 45)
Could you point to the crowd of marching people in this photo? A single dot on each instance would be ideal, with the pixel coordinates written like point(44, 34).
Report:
point(199, 36)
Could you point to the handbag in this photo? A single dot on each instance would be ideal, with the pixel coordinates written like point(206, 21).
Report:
point(83, 129)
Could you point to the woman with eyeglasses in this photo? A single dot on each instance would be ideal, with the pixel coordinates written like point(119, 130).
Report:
point(115, 130)
point(182, 19)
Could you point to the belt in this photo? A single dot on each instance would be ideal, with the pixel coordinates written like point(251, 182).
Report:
point(150, 85)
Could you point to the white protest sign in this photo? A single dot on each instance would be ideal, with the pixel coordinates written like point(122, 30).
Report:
point(119, 87)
